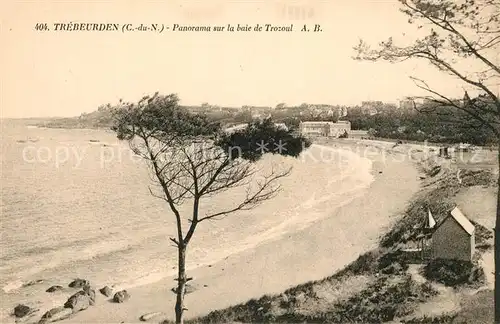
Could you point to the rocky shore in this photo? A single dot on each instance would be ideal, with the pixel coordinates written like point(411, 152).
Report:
point(84, 297)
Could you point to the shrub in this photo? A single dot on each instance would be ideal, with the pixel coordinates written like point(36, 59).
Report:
point(392, 262)
point(483, 237)
point(477, 178)
point(380, 302)
point(365, 263)
point(428, 290)
point(453, 272)
point(434, 171)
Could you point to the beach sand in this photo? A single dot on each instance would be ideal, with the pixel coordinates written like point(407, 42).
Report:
point(311, 254)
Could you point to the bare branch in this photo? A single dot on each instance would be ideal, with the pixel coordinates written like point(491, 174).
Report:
point(445, 101)
point(263, 193)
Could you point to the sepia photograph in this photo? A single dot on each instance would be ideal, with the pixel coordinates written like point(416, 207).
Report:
point(224, 161)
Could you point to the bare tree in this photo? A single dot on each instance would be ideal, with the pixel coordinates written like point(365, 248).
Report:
point(456, 32)
point(191, 159)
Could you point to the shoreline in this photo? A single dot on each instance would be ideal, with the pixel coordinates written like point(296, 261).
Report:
point(260, 271)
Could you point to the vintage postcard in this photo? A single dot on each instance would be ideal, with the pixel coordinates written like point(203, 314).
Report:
point(281, 161)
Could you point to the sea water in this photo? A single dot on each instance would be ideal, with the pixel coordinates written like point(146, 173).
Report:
point(76, 203)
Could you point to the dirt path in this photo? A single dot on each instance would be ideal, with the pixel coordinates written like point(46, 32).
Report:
point(488, 264)
point(446, 301)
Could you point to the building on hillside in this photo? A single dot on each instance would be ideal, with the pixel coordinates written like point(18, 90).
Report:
point(342, 112)
point(239, 127)
point(236, 128)
point(371, 107)
point(281, 126)
point(463, 147)
point(325, 128)
point(454, 238)
point(339, 128)
point(315, 128)
point(406, 105)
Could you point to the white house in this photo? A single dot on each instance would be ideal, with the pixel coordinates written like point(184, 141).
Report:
point(325, 128)
point(238, 127)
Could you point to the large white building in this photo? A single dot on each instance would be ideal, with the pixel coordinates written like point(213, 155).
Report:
point(239, 127)
point(324, 128)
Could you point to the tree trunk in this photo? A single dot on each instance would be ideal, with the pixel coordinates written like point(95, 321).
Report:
point(181, 285)
point(497, 249)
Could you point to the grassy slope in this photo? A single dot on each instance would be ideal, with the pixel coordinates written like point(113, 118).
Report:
point(376, 287)
point(94, 120)
point(102, 119)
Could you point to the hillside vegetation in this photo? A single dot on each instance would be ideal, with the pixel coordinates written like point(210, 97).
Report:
point(437, 124)
point(378, 287)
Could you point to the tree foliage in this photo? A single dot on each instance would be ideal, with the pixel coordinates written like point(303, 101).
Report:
point(191, 158)
point(259, 133)
point(439, 125)
point(458, 31)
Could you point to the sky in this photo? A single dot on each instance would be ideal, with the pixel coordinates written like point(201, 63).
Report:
point(66, 73)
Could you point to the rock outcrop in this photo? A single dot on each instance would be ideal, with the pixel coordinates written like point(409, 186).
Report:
point(54, 289)
point(187, 290)
point(79, 283)
point(33, 282)
point(121, 296)
point(106, 291)
point(91, 293)
point(148, 316)
point(56, 314)
point(78, 302)
point(22, 310)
